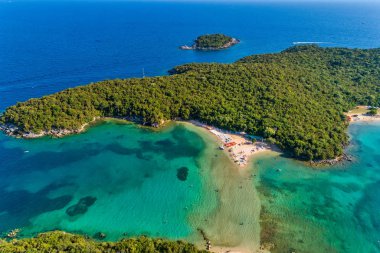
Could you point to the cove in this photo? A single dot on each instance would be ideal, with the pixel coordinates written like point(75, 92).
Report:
point(123, 180)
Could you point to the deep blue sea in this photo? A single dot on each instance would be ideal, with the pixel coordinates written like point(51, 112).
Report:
point(47, 46)
point(171, 182)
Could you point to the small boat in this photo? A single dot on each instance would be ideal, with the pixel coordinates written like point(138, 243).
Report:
point(221, 148)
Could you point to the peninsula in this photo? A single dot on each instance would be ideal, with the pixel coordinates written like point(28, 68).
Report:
point(296, 99)
point(212, 42)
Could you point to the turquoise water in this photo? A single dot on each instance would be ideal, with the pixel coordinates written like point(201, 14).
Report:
point(331, 210)
point(132, 173)
point(124, 180)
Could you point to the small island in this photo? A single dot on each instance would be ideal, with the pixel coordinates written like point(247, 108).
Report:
point(212, 42)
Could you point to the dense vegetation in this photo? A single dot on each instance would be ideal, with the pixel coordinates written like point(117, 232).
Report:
point(63, 242)
point(372, 111)
point(212, 41)
point(295, 98)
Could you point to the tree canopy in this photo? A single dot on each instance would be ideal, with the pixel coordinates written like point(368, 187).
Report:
point(296, 98)
point(372, 111)
point(212, 41)
point(58, 241)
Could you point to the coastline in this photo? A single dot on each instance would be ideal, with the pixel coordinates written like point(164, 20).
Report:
point(234, 225)
point(360, 114)
point(365, 119)
point(237, 199)
point(230, 185)
point(14, 131)
point(222, 170)
point(238, 146)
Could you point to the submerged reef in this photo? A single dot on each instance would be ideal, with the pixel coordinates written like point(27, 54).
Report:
point(81, 207)
point(182, 173)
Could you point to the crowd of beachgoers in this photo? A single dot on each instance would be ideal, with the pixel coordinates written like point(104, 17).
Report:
point(239, 145)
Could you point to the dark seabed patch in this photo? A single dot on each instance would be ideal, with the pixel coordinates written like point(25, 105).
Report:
point(18, 207)
point(121, 150)
point(48, 160)
point(165, 143)
point(182, 173)
point(81, 207)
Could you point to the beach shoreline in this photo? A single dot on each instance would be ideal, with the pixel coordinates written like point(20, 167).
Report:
point(365, 119)
point(233, 226)
point(360, 114)
point(238, 146)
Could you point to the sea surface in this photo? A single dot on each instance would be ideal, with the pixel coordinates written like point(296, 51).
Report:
point(125, 180)
point(47, 46)
point(336, 209)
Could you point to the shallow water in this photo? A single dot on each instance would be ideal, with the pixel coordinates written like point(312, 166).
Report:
point(124, 180)
point(132, 173)
point(331, 210)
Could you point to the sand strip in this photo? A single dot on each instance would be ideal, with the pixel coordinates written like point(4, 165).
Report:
point(239, 146)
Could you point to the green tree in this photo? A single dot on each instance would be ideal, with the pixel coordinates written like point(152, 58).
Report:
point(372, 111)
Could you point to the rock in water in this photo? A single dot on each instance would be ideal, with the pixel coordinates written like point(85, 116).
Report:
point(81, 207)
point(182, 173)
point(100, 236)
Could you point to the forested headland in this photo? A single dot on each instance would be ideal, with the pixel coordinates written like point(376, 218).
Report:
point(295, 99)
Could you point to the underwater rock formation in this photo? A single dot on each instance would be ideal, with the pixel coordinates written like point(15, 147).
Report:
point(81, 207)
point(182, 173)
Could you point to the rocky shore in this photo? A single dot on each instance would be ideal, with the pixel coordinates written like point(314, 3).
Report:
point(15, 131)
point(233, 41)
point(329, 162)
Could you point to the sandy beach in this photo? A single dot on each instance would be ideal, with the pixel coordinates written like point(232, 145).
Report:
point(239, 146)
point(365, 118)
point(219, 249)
point(360, 114)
